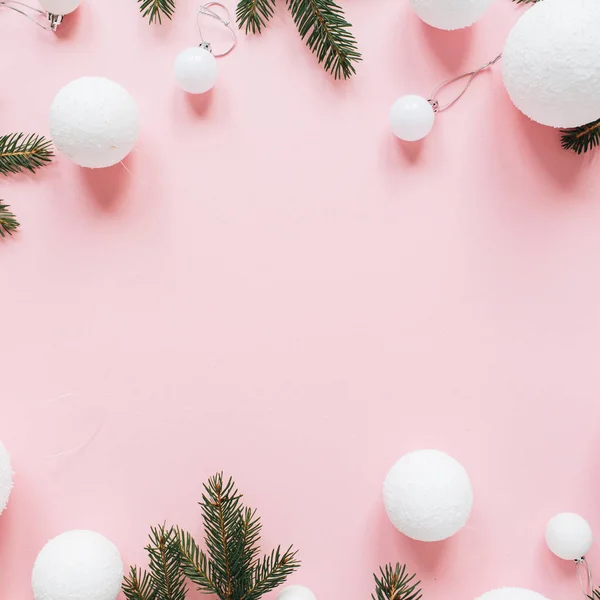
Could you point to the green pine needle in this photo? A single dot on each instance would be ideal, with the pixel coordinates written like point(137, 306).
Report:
point(270, 572)
point(138, 585)
point(167, 580)
point(8, 221)
point(194, 563)
point(394, 583)
point(19, 152)
point(581, 139)
point(321, 23)
point(155, 10)
point(253, 15)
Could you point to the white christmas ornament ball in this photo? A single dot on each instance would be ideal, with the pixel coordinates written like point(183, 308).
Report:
point(6, 477)
point(450, 14)
point(569, 536)
point(511, 593)
point(94, 121)
point(196, 70)
point(550, 62)
point(78, 565)
point(411, 118)
point(59, 7)
point(428, 495)
point(296, 592)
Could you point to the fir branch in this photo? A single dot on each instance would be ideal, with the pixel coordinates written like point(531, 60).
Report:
point(271, 572)
point(19, 152)
point(581, 139)
point(8, 221)
point(394, 583)
point(194, 563)
point(253, 15)
point(138, 585)
point(321, 23)
point(155, 10)
point(164, 564)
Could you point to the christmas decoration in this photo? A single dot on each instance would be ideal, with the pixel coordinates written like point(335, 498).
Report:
point(59, 7)
point(428, 495)
point(450, 14)
point(94, 121)
point(511, 593)
point(77, 565)
point(296, 592)
point(394, 583)
point(54, 11)
point(231, 568)
point(6, 475)
point(569, 536)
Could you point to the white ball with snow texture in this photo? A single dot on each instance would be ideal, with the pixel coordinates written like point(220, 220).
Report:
point(428, 495)
point(196, 70)
point(450, 14)
point(550, 62)
point(411, 118)
point(94, 121)
point(78, 565)
point(569, 536)
point(6, 477)
point(511, 593)
point(296, 592)
point(59, 7)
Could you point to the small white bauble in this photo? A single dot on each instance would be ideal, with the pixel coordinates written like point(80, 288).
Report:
point(196, 70)
point(511, 593)
point(411, 118)
point(94, 121)
point(428, 495)
point(59, 7)
point(569, 536)
point(550, 62)
point(78, 565)
point(6, 477)
point(296, 592)
point(450, 14)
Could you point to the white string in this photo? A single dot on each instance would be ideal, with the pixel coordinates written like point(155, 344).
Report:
point(8, 4)
point(206, 11)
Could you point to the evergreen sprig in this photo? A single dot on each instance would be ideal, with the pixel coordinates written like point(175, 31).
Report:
point(8, 221)
point(155, 10)
point(394, 583)
point(581, 139)
point(20, 152)
point(253, 15)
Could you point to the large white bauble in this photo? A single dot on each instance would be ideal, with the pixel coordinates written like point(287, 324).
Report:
point(569, 536)
point(550, 62)
point(296, 592)
point(78, 565)
point(428, 495)
point(59, 7)
point(94, 121)
point(511, 593)
point(411, 118)
point(196, 70)
point(450, 14)
point(6, 477)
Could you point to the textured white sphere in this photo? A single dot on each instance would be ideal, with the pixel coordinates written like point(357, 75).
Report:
point(569, 536)
point(511, 593)
point(78, 565)
point(450, 14)
point(6, 477)
point(196, 70)
point(296, 592)
point(411, 118)
point(550, 62)
point(94, 121)
point(428, 495)
point(59, 7)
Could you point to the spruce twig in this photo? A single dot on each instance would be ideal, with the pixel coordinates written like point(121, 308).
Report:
point(394, 583)
point(8, 221)
point(270, 572)
point(155, 10)
point(19, 152)
point(581, 139)
point(168, 581)
point(253, 15)
point(138, 585)
point(194, 563)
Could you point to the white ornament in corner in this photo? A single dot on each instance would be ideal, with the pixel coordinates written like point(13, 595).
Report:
point(511, 593)
point(569, 536)
point(59, 7)
point(411, 118)
point(450, 14)
point(428, 495)
point(78, 565)
point(296, 592)
point(550, 62)
point(94, 121)
point(6, 477)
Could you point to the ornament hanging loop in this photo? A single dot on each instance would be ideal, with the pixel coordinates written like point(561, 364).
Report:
point(206, 11)
point(435, 104)
point(584, 575)
point(25, 10)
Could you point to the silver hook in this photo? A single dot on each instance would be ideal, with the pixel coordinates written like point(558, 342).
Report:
point(206, 11)
point(53, 20)
point(585, 581)
point(437, 107)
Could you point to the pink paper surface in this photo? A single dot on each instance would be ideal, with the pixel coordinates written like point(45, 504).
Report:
point(280, 289)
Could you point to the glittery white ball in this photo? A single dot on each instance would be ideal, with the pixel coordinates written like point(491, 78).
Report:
point(59, 7)
point(196, 70)
point(450, 14)
point(550, 62)
point(411, 118)
point(78, 565)
point(511, 593)
point(569, 536)
point(94, 121)
point(6, 477)
point(296, 592)
point(428, 495)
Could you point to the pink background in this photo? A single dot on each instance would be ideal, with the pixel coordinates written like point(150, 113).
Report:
point(281, 290)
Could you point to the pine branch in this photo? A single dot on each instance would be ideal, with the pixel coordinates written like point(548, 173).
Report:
point(8, 221)
point(194, 563)
point(19, 152)
point(271, 572)
point(394, 583)
point(163, 552)
point(321, 23)
point(253, 15)
point(138, 585)
point(155, 10)
point(581, 139)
